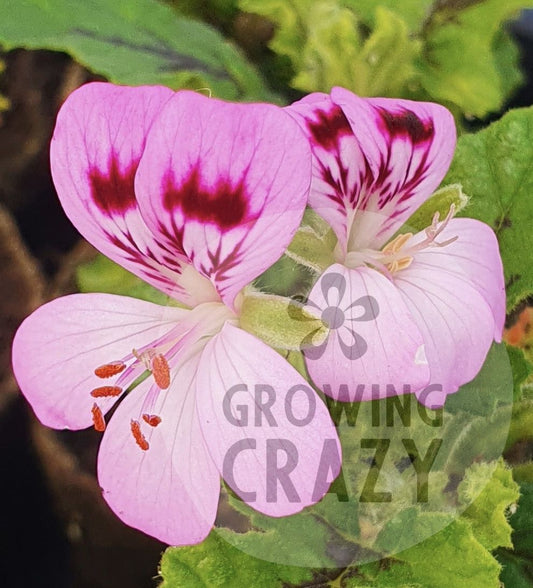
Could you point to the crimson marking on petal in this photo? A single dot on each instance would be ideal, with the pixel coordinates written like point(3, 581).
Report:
point(224, 205)
point(110, 369)
point(98, 418)
point(407, 123)
point(329, 127)
point(112, 190)
point(161, 371)
point(152, 419)
point(140, 439)
point(106, 391)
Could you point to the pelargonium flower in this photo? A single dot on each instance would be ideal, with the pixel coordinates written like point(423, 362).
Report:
point(197, 197)
point(440, 292)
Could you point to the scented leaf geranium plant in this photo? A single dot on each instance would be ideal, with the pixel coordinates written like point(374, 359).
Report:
point(437, 297)
point(197, 197)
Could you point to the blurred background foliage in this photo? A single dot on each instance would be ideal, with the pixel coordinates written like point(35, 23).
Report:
point(461, 53)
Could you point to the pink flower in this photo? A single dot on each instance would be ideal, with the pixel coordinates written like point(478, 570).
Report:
point(438, 296)
point(197, 197)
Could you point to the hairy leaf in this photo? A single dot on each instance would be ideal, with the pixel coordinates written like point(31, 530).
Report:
point(495, 168)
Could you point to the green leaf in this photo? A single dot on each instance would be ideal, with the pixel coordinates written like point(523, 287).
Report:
point(324, 42)
point(413, 12)
point(495, 168)
point(492, 491)
point(216, 563)
point(463, 55)
point(521, 423)
point(386, 63)
point(332, 45)
point(103, 275)
point(521, 368)
point(440, 202)
point(492, 386)
point(450, 558)
point(518, 564)
point(141, 42)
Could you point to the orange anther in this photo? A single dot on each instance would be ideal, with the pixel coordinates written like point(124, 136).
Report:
point(98, 418)
point(161, 371)
point(152, 419)
point(138, 436)
point(110, 369)
point(105, 391)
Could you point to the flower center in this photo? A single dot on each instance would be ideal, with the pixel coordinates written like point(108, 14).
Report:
point(399, 253)
point(159, 357)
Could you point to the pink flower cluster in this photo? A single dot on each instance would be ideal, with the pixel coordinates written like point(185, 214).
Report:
point(198, 197)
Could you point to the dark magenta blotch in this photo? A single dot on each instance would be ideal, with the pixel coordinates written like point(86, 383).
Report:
point(224, 205)
point(407, 124)
point(112, 190)
point(330, 126)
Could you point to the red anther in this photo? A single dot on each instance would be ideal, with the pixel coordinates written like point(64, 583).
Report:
point(152, 419)
point(105, 391)
point(161, 371)
point(98, 418)
point(138, 436)
point(110, 369)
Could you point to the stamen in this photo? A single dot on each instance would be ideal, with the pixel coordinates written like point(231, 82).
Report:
point(152, 419)
point(106, 391)
point(161, 371)
point(98, 418)
point(138, 436)
point(399, 257)
point(110, 369)
point(393, 248)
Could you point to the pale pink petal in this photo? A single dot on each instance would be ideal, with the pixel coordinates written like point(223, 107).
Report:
point(58, 347)
point(268, 432)
point(450, 310)
point(375, 161)
point(228, 182)
point(474, 256)
point(374, 348)
point(98, 142)
point(169, 490)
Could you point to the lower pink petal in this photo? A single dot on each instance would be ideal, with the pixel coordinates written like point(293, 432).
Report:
point(268, 432)
point(475, 256)
point(374, 347)
point(171, 489)
point(455, 320)
point(58, 347)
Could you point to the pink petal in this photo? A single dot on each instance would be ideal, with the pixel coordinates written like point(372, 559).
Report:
point(228, 182)
point(256, 413)
point(446, 297)
point(474, 256)
point(375, 161)
point(171, 489)
point(374, 348)
point(98, 142)
point(58, 347)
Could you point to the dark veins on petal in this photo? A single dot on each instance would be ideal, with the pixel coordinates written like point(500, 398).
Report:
point(406, 123)
point(329, 127)
point(112, 190)
point(224, 205)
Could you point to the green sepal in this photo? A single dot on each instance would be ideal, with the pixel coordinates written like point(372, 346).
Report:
point(440, 202)
point(280, 322)
point(312, 250)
